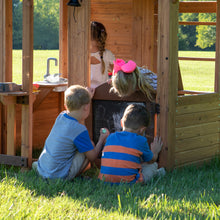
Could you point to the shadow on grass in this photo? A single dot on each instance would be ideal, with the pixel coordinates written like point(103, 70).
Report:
point(177, 194)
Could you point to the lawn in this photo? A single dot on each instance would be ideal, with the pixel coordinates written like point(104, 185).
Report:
point(39, 64)
point(184, 193)
point(196, 75)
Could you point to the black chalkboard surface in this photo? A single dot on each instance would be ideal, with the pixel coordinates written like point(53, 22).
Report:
point(108, 109)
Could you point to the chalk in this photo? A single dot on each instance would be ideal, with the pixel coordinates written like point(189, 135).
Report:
point(103, 130)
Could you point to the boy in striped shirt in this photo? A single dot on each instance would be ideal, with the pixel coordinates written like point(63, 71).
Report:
point(126, 156)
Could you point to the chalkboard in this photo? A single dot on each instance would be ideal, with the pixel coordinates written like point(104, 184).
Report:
point(108, 113)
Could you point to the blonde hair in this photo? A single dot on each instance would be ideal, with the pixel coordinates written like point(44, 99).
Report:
point(124, 84)
point(99, 34)
point(76, 96)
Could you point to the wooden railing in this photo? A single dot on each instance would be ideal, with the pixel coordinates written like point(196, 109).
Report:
point(197, 7)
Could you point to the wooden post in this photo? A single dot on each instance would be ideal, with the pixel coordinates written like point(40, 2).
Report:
point(27, 81)
point(167, 77)
point(217, 62)
point(5, 63)
point(63, 39)
point(78, 44)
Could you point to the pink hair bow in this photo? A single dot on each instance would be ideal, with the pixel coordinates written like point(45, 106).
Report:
point(120, 64)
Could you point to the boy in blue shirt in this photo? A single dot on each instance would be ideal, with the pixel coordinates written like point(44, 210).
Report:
point(126, 156)
point(68, 148)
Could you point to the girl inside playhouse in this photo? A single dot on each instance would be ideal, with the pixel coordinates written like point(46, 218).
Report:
point(101, 58)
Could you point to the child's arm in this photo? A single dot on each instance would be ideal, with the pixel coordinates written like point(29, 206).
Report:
point(93, 154)
point(156, 147)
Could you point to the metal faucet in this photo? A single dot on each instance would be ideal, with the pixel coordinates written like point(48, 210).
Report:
point(48, 65)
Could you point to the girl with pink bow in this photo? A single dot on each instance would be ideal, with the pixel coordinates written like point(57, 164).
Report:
point(127, 77)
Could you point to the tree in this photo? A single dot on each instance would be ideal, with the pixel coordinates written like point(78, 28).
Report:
point(206, 34)
point(17, 24)
point(187, 33)
point(46, 24)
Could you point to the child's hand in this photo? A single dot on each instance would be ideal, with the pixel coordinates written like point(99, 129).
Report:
point(104, 133)
point(109, 81)
point(156, 145)
point(91, 91)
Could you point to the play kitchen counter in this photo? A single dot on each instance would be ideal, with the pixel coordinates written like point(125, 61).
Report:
point(47, 103)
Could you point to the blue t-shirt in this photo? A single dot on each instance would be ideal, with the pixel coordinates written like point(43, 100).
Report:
point(122, 156)
point(66, 137)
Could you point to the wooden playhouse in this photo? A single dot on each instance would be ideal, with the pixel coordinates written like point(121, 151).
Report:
point(142, 30)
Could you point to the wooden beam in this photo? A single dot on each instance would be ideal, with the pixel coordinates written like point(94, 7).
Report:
point(78, 44)
point(27, 81)
point(14, 160)
point(5, 62)
point(197, 7)
point(167, 87)
point(63, 39)
point(196, 23)
point(217, 56)
point(197, 58)
point(2, 39)
point(8, 49)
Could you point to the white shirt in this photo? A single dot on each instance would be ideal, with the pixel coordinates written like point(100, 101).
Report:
point(97, 78)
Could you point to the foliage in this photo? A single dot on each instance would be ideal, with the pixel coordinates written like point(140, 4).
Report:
point(46, 24)
point(17, 24)
point(197, 37)
point(187, 33)
point(206, 34)
point(24, 195)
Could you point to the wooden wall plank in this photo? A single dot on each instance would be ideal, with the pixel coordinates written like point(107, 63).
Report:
point(137, 28)
point(11, 129)
point(195, 155)
point(168, 12)
point(197, 118)
point(197, 142)
point(210, 105)
point(217, 48)
point(117, 17)
point(197, 99)
point(197, 130)
point(197, 7)
point(148, 34)
point(78, 44)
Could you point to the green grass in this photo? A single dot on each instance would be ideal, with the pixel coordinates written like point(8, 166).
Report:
point(196, 75)
point(39, 64)
point(186, 193)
